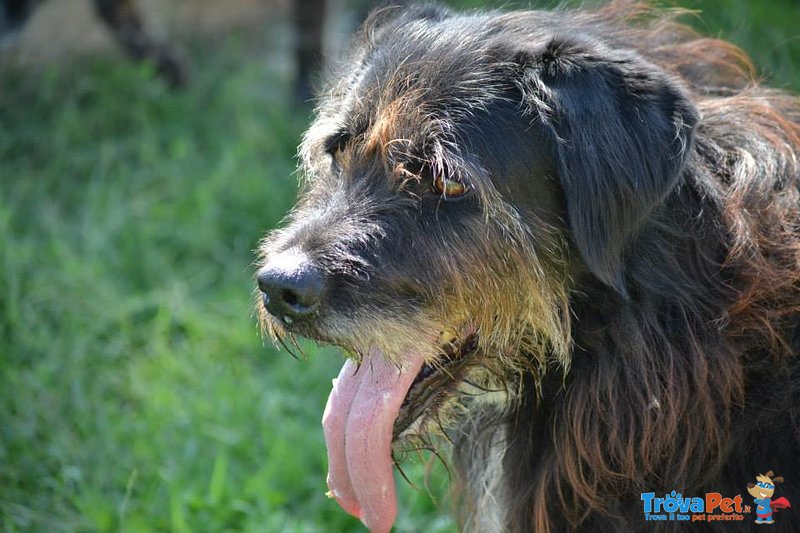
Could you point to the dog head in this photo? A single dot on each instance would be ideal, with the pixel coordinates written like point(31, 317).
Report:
point(461, 175)
point(764, 487)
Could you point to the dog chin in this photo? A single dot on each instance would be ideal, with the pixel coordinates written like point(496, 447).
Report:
point(451, 378)
point(452, 360)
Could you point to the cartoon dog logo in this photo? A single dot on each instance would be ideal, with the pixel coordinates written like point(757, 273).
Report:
point(762, 492)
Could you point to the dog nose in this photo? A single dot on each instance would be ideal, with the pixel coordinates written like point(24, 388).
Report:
point(291, 287)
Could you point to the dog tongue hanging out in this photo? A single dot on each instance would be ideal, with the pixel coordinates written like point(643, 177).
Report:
point(358, 422)
point(564, 244)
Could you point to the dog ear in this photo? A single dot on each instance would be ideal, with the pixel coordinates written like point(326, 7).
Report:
point(621, 131)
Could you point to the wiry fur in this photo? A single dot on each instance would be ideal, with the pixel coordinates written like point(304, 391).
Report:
point(629, 257)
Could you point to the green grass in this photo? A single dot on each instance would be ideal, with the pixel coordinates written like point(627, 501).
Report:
point(135, 392)
point(769, 31)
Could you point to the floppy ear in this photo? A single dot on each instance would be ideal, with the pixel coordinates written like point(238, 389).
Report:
point(621, 129)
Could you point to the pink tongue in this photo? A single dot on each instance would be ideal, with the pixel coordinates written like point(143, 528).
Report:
point(357, 423)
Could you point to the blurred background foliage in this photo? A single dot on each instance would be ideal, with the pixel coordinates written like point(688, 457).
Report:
point(135, 391)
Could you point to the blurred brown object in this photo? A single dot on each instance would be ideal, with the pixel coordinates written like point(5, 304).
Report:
point(313, 20)
point(303, 33)
point(309, 18)
point(123, 19)
point(125, 23)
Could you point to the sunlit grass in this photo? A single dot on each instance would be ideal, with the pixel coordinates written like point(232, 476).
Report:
point(135, 392)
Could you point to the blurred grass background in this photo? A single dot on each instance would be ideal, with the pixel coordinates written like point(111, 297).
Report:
point(135, 392)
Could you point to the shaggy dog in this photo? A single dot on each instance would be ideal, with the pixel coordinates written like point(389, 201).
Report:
point(567, 245)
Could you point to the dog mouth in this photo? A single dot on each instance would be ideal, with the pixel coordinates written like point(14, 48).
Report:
point(434, 384)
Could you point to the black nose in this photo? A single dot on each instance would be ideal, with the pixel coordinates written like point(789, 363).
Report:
point(291, 287)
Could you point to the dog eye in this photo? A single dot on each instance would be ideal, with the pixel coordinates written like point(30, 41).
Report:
point(336, 144)
point(449, 188)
